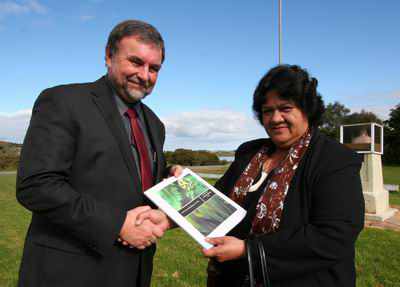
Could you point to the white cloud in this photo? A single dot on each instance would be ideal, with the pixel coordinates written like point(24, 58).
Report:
point(37, 7)
point(395, 95)
point(204, 129)
point(13, 126)
point(384, 96)
point(378, 103)
point(210, 129)
point(15, 8)
point(86, 18)
point(382, 111)
point(17, 113)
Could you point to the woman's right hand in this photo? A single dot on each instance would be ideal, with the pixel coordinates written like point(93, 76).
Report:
point(225, 248)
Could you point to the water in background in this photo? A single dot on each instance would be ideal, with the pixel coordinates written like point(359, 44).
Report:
point(209, 175)
point(227, 158)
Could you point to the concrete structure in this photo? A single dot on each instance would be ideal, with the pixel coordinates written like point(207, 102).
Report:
point(367, 139)
point(375, 195)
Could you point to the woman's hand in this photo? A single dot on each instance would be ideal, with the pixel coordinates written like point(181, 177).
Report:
point(226, 248)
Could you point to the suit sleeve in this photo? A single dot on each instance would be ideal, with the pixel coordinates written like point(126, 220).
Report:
point(43, 180)
point(336, 219)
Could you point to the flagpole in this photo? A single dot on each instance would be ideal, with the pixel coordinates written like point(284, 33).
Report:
point(280, 33)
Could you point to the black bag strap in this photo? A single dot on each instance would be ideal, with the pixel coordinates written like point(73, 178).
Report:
point(250, 262)
point(263, 260)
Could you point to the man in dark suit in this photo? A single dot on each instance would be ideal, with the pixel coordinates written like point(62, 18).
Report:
point(90, 151)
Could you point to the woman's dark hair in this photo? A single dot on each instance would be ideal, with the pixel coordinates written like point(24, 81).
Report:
point(292, 83)
point(145, 33)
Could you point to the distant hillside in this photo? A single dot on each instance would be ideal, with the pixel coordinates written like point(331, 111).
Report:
point(9, 155)
point(225, 153)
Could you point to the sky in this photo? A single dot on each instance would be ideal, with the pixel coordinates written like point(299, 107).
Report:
point(216, 52)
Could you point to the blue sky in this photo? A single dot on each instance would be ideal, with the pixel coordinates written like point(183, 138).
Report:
point(216, 51)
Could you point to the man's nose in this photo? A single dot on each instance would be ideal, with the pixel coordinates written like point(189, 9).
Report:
point(144, 73)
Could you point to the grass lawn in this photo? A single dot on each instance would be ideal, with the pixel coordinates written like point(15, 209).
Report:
point(13, 225)
point(394, 198)
point(178, 261)
point(377, 260)
point(391, 174)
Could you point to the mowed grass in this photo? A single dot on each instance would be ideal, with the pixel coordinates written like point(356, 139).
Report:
point(377, 259)
point(178, 260)
point(13, 225)
point(391, 175)
point(394, 199)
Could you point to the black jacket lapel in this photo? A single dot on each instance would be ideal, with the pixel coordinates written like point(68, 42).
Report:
point(102, 97)
point(156, 138)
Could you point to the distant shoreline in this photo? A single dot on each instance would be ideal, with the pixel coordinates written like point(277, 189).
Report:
point(8, 172)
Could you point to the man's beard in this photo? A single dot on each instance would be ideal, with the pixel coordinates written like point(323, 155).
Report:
point(135, 95)
point(131, 95)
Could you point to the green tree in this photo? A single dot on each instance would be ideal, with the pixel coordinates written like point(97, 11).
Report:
point(332, 119)
point(183, 156)
point(190, 157)
point(337, 114)
point(362, 117)
point(392, 137)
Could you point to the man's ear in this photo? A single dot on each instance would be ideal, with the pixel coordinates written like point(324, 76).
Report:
point(108, 57)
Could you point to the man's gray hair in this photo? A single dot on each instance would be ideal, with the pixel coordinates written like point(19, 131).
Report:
point(145, 33)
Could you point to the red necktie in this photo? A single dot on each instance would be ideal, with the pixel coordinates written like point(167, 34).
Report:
point(137, 134)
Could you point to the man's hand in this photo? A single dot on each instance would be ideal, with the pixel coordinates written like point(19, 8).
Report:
point(226, 248)
point(139, 236)
point(157, 217)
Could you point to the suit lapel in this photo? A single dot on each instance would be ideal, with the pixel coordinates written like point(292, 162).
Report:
point(102, 97)
point(155, 139)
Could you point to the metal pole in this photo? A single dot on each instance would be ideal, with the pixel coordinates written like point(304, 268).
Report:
point(280, 32)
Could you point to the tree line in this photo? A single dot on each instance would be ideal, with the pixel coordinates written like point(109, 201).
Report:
point(337, 114)
point(9, 155)
point(192, 157)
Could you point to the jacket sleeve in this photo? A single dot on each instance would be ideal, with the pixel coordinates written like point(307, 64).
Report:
point(228, 180)
point(43, 180)
point(225, 183)
point(336, 219)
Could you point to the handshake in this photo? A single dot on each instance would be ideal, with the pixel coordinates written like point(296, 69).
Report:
point(143, 226)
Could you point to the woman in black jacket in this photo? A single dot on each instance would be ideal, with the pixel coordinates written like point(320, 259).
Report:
point(301, 190)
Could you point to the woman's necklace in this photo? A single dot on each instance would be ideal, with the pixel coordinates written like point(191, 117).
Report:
point(267, 167)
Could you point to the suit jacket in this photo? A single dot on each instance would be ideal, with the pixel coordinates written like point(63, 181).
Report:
point(322, 216)
point(78, 177)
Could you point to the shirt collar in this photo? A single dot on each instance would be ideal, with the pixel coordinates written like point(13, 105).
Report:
point(123, 107)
